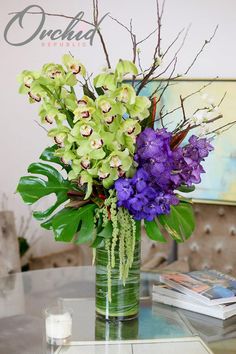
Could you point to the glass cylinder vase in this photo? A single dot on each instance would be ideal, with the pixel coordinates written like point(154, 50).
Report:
point(121, 300)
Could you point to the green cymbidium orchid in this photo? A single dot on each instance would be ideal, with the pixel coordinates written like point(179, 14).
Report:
point(106, 81)
point(125, 94)
point(59, 76)
point(108, 106)
point(59, 134)
point(85, 109)
point(73, 65)
point(140, 108)
point(50, 114)
point(120, 160)
point(125, 67)
point(26, 78)
point(85, 179)
point(92, 147)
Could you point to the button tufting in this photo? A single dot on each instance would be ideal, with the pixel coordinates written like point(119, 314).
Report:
point(221, 211)
point(208, 229)
point(232, 231)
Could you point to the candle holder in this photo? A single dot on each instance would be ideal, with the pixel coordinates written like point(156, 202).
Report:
point(58, 325)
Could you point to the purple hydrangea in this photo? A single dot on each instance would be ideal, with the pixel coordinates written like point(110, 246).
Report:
point(150, 192)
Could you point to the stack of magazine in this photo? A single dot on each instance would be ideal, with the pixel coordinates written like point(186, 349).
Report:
point(207, 292)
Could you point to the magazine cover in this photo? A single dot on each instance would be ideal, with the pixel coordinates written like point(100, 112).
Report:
point(208, 286)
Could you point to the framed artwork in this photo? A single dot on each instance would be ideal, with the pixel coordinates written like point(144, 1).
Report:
point(219, 183)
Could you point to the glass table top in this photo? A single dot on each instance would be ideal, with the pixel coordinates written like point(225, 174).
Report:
point(24, 296)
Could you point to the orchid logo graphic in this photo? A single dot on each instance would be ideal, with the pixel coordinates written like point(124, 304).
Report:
point(68, 33)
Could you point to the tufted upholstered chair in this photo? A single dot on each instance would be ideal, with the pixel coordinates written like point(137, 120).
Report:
point(212, 245)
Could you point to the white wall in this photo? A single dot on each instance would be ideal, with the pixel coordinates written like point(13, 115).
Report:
point(22, 140)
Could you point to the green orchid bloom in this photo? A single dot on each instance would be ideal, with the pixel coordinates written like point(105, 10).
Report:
point(120, 160)
point(125, 67)
point(59, 134)
point(57, 73)
point(130, 127)
point(86, 179)
point(36, 92)
point(140, 108)
point(70, 100)
point(109, 107)
point(81, 130)
point(85, 109)
point(50, 114)
point(106, 81)
point(65, 154)
point(73, 65)
point(106, 174)
point(92, 147)
point(26, 78)
point(125, 94)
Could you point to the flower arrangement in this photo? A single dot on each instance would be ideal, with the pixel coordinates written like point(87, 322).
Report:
point(118, 167)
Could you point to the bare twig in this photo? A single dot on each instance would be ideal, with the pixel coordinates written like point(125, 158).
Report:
point(173, 42)
point(207, 122)
point(131, 33)
point(207, 41)
point(174, 60)
point(222, 99)
point(182, 107)
point(159, 23)
point(147, 37)
point(157, 50)
point(161, 116)
point(188, 96)
point(168, 82)
point(175, 55)
point(95, 19)
point(228, 126)
point(139, 63)
point(40, 125)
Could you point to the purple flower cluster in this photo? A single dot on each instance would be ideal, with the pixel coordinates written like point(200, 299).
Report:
point(160, 171)
point(187, 166)
point(143, 197)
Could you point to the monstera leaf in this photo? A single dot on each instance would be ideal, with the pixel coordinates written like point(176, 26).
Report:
point(70, 222)
point(32, 188)
point(180, 222)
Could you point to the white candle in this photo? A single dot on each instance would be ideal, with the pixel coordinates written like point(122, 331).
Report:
point(59, 326)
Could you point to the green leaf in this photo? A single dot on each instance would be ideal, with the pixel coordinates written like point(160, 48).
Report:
point(88, 92)
point(98, 242)
point(86, 232)
point(186, 189)
point(33, 188)
point(49, 155)
point(180, 222)
point(64, 224)
point(99, 91)
point(138, 230)
point(106, 231)
point(67, 222)
point(153, 231)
